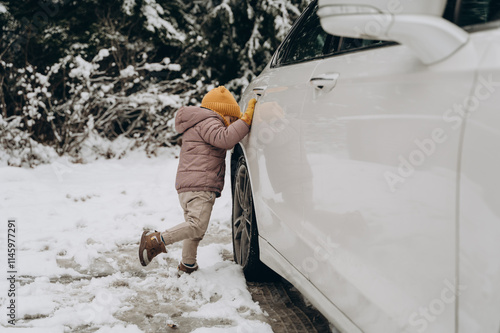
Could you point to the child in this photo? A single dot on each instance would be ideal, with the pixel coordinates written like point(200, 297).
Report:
point(208, 132)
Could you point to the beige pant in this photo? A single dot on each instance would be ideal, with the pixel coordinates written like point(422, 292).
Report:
point(197, 208)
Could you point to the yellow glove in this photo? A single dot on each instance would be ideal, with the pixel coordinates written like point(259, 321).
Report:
point(248, 115)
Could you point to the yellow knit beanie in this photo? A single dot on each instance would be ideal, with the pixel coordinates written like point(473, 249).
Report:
point(221, 101)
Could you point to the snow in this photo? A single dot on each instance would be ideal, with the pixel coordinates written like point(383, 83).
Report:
point(3, 9)
point(129, 71)
point(103, 53)
point(224, 6)
point(153, 12)
point(154, 67)
point(165, 64)
point(18, 155)
point(174, 67)
point(78, 227)
point(83, 69)
point(128, 6)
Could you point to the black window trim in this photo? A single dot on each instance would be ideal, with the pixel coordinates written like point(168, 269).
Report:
point(338, 53)
point(290, 34)
point(457, 10)
point(482, 26)
point(363, 48)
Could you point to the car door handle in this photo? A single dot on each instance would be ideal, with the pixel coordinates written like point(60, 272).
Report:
point(259, 91)
point(325, 81)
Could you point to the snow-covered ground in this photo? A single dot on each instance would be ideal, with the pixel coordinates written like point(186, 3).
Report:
point(78, 229)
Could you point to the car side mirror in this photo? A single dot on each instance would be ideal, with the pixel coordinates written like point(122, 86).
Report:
point(416, 24)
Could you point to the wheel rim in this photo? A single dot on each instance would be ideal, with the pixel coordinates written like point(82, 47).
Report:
point(242, 216)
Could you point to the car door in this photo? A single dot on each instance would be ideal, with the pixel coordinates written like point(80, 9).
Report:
point(380, 139)
point(479, 299)
point(274, 154)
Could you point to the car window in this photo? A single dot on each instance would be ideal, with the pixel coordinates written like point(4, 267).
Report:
point(308, 41)
point(473, 12)
point(357, 43)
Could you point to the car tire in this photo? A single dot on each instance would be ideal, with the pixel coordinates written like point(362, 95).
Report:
point(244, 227)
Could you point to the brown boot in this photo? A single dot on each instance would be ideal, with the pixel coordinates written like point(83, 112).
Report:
point(186, 269)
point(151, 245)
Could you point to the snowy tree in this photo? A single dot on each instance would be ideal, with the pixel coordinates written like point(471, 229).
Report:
point(234, 40)
point(75, 70)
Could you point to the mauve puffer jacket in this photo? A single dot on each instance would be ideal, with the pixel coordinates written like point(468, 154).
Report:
point(205, 140)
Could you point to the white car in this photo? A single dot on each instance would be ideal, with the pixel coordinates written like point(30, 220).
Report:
point(370, 179)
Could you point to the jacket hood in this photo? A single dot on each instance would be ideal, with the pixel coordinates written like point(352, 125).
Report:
point(188, 116)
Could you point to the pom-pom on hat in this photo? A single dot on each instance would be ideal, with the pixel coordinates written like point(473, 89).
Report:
point(221, 101)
